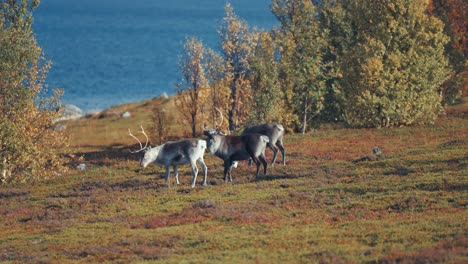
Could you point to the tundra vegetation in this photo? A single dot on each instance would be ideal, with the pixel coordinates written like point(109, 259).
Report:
point(332, 203)
point(393, 64)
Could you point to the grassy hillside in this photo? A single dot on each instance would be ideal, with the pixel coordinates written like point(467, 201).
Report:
point(333, 202)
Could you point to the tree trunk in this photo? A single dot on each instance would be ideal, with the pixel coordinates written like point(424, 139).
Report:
point(231, 119)
point(194, 125)
point(232, 110)
point(304, 120)
point(4, 172)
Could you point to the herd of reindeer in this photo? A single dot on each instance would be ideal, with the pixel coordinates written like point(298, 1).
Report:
point(250, 145)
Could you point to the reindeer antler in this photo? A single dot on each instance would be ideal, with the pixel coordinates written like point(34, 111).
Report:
point(218, 126)
point(222, 117)
point(139, 142)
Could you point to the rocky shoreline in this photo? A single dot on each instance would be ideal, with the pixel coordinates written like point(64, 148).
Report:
point(73, 112)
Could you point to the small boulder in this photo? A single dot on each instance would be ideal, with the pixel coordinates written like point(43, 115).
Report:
point(81, 166)
point(126, 115)
point(164, 96)
point(377, 152)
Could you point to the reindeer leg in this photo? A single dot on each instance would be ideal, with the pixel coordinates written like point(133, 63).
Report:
point(275, 153)
point(205, 170)
point(264, 162)
point(230, 173)
point(255, 159)
point(257, 162)
point(227, 169)
point(176, 174)
point(194, 172)
point(279, 144)
point(229, 165)
point(167, 174)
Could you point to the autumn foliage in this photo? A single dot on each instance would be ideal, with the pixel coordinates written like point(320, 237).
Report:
point(365, 63)
point(29, 145)
point(453, 14)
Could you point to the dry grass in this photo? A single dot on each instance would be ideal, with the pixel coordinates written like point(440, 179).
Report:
point(334, 202)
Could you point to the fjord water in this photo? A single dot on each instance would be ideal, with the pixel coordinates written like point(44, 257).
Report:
point(110, 52)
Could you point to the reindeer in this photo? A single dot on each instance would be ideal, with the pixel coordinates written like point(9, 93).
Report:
point(235, 148)
point(174, 153)
point(274, 132)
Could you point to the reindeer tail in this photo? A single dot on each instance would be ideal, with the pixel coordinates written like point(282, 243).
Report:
point(280, 127)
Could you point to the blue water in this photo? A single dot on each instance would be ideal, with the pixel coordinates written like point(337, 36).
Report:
point(110, 52)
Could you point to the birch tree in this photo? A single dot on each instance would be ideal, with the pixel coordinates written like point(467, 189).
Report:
point(396, 64)
point(304, 42)
point(237, 48)
point(454, 15)
point(192, 90)
point(29, 145)
point(219, 88)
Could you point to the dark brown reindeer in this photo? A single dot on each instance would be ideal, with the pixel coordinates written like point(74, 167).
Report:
point(274, 132)
point(236, 148)
point(174, 153)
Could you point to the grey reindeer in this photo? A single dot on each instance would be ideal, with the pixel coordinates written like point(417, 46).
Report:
point(236, 148)
point(275, 133)
point(174, 153)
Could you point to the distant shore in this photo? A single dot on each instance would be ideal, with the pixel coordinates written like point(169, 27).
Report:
point(73, 112)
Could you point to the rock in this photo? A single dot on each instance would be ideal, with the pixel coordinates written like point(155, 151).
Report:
point(126, 115)
point(109, 113)
point(70, 112)
point(81, 166)
point(164, 95)
point(93, 113)
point(377, 152)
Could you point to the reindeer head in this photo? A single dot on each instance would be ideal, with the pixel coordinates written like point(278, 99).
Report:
point(215, 138)
point(150, 156)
